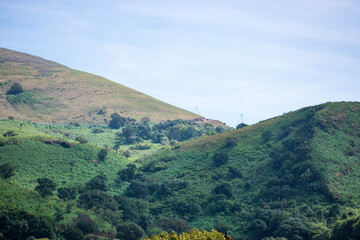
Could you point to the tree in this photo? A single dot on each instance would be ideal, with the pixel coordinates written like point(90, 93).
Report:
point(98, 183)
point(129, 231)
point(241, 125)
point(102, 155)
point(66, 193)
point(7, 171)
point(117, 121)
point(220, 159)
point(73, 234)
point(45, 186)
point(96, 199)
point(128, 173)
point(16, 88)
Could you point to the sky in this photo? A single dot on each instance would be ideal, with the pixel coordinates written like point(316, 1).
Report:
point(230, 60)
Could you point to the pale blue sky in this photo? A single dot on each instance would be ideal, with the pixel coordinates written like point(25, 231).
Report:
point(256, 58)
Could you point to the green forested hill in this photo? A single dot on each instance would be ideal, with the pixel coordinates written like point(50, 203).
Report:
point(295, 176)
point(55, 93)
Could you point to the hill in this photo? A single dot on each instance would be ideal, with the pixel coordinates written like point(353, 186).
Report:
point(58, 94)
point(292, 177)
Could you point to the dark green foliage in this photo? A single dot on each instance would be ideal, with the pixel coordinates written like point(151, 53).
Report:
point(24, 97)
point(117, 121)
point(85, 223)
point(129, 231)
point(10, 134)
point(96, 199)
point(7, 171)
point(266, 136)
point(16, 88)
point(128, 173)
point(129, 208)
point(173, 224)
point(73, 234)
point(241, 125)
point(102, 111)
point(45, 186)
point(19, 225)
point(102, 155)
point(81, 139)
point(224, 188)
point(98, 183)
point(67, 193)
point(137, 189)
point(348, 228)
point(189, 209)
point(220, 159)
point(292, 229)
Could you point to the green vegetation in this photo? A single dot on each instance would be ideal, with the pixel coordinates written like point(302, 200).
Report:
point(291, 177)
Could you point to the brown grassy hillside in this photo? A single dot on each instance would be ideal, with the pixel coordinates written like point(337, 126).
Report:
point(64, 94)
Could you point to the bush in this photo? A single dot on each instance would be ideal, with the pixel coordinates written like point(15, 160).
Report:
point(173, 224)
point(45, 186)
point(129, 231)
point(96, 199)
point(98, 130)
point(102, 155)
point(128, 173)
point(220, 159)
point(7, 171)
point(117, 121)
point(16, 88)
point(19, 225)
point(193, 234)
point(66, 193)
point(98, 183)
point(225, 189)
point(81, 139)
point(10, 134)
point(73, 234)
point(137, 189)
point(24, 97)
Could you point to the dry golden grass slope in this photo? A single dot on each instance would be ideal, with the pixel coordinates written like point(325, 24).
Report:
point(70, 95)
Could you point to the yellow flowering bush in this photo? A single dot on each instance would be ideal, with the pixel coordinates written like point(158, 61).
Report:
point(193, 234)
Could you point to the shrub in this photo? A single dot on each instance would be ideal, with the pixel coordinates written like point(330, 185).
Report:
point(98, 183)
point(129, 231)
point(117, 121)
point(81, 139)
point(173, 224)
point(102, 155)
point(137, 189)
point(96, 199)
point(73, 234)
point(45, 186)
point(128, 173)
point(19, 225)
point(66, 193)
point(16, 88)
point(220, 159)
point(10, 133)
point(24, 97)
point(223, 188)
point(98, 130)
point(193, 234)
point(7, 171)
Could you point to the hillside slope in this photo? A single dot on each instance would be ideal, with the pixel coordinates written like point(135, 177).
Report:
point(294, 176)
point(60, 94)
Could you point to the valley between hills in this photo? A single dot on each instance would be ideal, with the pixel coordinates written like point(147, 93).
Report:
point(82, 157)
